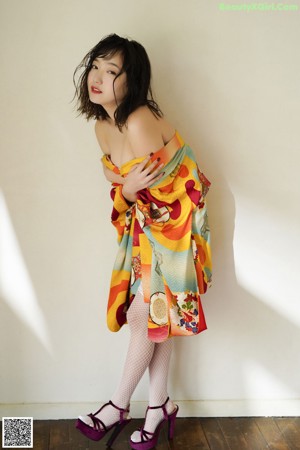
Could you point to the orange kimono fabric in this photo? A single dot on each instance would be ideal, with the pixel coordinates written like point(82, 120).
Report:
point(164, 242)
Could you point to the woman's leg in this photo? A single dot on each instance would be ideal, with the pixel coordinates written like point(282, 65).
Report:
point(142, 353)
point(158, 392)
point(139, 355)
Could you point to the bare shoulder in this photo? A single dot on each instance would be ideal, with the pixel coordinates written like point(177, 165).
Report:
point(101, 135)
point(147, 133)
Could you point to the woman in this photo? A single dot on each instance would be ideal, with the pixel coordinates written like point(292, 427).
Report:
point(159, 211)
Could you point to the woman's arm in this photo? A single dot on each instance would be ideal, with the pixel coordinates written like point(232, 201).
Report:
point(112, 176)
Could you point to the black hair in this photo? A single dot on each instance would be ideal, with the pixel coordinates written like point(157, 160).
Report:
point(137, 67)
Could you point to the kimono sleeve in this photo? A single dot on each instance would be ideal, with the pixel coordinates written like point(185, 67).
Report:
point(119, 211)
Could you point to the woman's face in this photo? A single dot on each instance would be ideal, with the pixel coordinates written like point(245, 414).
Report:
point(103, 87)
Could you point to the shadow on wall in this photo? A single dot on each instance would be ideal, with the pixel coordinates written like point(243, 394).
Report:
point(243, 332)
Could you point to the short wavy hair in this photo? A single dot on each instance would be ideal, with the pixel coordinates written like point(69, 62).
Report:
point(137, 67)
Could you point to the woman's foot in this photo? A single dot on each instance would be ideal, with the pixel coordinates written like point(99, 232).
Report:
point(147, 436)
point(108, 416)
point(95, 426)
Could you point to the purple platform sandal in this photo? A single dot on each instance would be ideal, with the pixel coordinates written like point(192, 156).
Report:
point(99, 429)
point(148, 439)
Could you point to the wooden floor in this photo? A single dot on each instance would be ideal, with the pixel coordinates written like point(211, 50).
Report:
point(190, 434)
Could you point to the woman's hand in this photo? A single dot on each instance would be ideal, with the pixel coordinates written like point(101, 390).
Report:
point(141, 177)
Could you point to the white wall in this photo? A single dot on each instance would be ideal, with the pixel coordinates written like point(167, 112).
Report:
point(229, 81)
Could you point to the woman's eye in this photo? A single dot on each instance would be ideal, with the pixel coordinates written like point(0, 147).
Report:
point(111, 72)
point(94, 66)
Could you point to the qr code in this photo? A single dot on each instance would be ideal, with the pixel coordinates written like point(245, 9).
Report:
point(17, 432)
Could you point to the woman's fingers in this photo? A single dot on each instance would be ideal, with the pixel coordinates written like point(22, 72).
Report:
point(133, 168)
point(143, 175)
point(155, 173)
point(143, 164)
point(155, 176)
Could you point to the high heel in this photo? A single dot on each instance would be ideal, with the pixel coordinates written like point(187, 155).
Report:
point(148, 439)
point(99, 429)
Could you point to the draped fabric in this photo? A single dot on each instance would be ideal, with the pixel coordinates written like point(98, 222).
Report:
point(164, 243)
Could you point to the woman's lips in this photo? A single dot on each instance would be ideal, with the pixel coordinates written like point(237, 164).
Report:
point(95, 90)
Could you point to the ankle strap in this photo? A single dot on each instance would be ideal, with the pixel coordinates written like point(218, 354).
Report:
point(163, 406)
point(122, 410)
point(117, 407)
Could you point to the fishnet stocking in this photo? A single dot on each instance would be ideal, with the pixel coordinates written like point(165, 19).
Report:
point(142, 353)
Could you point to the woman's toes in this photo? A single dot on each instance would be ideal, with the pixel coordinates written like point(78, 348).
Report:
point(87, 420)
point(136, 436)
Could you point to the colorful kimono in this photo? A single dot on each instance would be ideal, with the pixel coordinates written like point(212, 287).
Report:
point(164, 242)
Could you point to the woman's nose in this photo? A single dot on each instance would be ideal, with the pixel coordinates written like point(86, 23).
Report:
point(98, 78)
